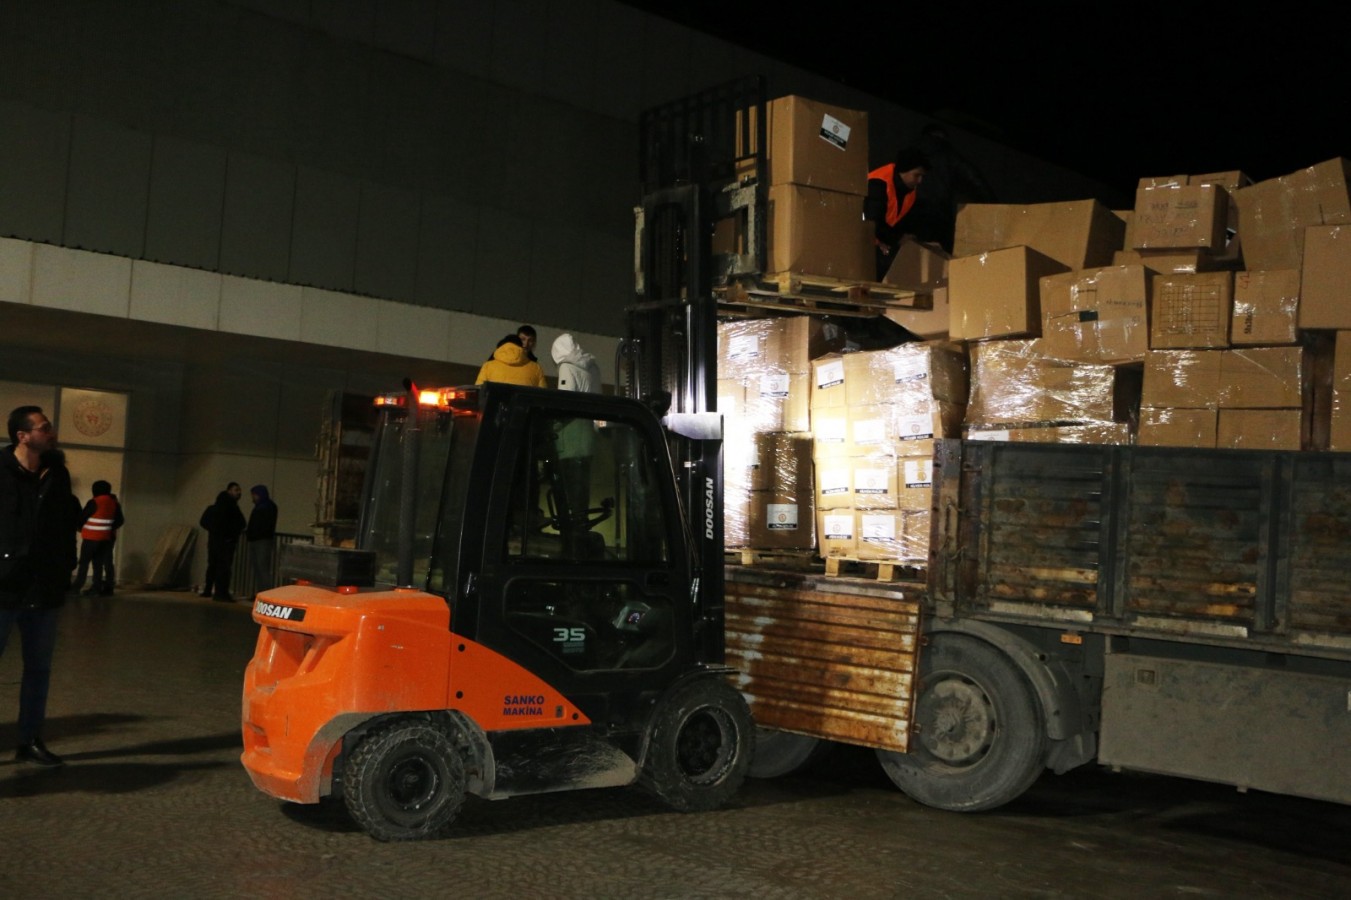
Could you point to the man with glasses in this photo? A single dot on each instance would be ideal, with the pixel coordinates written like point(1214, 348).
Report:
point(38, 513)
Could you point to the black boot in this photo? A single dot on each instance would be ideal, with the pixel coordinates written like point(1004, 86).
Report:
point(36, 752)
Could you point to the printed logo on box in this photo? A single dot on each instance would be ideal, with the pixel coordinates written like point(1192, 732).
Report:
point(774, 385)
point(834, 132)
point(743, 346)
point(829, 374)
point(914, 428)
point(919, 473)
point(834, 481)
point(910, 370)
point(870, 431)
point(873, 482)
point(829, 430)
point(781, 516)
point(838, 528)
point(878, 529)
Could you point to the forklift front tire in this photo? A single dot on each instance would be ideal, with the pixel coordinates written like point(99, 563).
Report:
point(701, 746)
point(405, 781)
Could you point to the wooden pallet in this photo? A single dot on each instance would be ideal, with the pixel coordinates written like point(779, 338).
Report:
point(878, 570)
point(794, 292)
point(786, 559)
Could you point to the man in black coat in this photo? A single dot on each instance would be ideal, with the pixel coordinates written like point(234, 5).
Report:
point(37, 555)
point(224, 523)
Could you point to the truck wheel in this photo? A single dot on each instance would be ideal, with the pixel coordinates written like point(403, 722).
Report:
point(405, 781)
point(980, 740)
point(779, 753)
point(701, 746)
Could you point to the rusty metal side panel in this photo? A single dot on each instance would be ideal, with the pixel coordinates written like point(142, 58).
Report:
point(1036, 514)
point(825, 662)
point(1318, 608)
point(1199, 536)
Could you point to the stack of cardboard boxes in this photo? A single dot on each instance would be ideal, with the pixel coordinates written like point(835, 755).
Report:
point(763, 398)
point(875, 416)
point(818, 176)
point(1051, 324)
point(1215, 313)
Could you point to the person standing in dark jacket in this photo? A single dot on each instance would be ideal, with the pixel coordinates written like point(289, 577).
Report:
point(37, 555)
point(224, 523)
point(261, 535)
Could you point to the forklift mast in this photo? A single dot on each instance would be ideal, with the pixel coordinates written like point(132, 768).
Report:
point(702, 162)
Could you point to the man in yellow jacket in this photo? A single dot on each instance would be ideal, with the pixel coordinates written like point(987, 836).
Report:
point(510, 363)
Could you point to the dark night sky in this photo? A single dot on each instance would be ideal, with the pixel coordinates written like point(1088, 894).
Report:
point(1114, 91)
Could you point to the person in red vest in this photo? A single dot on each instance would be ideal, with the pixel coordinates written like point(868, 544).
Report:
point(891, 194)
point(99, 521)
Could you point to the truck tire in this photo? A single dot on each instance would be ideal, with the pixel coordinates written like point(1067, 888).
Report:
point(701, 744)
point(779, 753)
point(979, 738)
point(405, 781)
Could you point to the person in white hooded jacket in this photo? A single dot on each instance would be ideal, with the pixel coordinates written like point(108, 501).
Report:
point(577, 369)
point(576, 438)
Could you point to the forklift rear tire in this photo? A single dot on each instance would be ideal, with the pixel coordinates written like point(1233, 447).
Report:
point(701, 746)
point(978, 741)
point(405, 781)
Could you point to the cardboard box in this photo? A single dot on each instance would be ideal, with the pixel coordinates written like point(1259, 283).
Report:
point(785, 344)
point(1080, 234)
point(828, 382)
point(834, 482)
point(1266, 308)
point(1259, 429)
point(1191, 311)
point(1273, 214)
point(1325, 285)
point(1182, 379)
point(1169, 262)
point(1016, 382)
point(928, 323)
point(836, 529)
point(817, 232)
point(1097, 315)
point(1262, 378)
point(817, 145)
point(1177, 427)
point(910, 373)
point(918, 266)
point(830, 432)
point(872, 426)
point(998, 294)
point(874, 480)
point(785, 463)
point(777, 402)
point(1116, 433)
point(1250, 378)
point(782, 521)
point(1179, 215)
point(901, 535)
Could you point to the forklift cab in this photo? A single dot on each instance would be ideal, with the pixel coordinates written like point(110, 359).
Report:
point(548, 521)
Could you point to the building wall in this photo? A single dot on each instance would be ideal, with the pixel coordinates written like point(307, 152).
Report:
point(479, 157)
point(229, 208)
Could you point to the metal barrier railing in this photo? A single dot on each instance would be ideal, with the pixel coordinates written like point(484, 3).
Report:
point(242, 582)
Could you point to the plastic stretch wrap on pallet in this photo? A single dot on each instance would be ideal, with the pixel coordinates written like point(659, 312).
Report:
point(1015, 383)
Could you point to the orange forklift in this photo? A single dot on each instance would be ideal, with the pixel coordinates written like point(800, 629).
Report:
point(534, 602)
